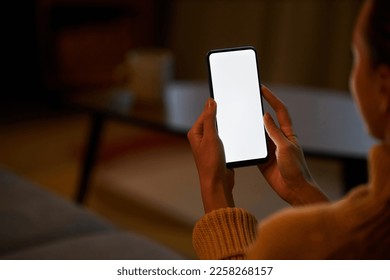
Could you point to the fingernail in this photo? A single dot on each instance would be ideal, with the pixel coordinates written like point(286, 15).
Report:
point(210, 103)
point(268, 117)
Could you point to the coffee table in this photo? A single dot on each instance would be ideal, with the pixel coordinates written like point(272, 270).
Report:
point(326, 122)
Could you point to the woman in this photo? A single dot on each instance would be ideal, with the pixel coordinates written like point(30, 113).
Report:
point(356, 227)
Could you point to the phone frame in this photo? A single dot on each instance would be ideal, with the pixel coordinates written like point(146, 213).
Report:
point(247, 162)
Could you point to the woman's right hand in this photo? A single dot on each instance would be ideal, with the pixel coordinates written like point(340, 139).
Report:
point(286, 170)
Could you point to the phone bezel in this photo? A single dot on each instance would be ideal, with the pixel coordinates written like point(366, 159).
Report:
point(248, 162)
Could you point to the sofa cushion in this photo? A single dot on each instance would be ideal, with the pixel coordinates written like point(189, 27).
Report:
point(30, 215)
point(98, 246)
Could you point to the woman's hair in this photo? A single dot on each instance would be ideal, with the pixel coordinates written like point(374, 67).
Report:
point(378, 32)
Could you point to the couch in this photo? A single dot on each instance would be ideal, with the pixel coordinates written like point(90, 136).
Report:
point(37, 224)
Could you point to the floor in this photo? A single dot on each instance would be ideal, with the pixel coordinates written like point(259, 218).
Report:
point(163, 206)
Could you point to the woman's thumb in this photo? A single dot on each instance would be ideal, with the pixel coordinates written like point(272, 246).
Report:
point(210, 115)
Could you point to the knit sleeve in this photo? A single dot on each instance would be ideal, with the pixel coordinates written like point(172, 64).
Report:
point(224, 234)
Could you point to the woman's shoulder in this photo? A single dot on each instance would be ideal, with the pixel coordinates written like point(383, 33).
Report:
point(292, 233)
point(312, 232)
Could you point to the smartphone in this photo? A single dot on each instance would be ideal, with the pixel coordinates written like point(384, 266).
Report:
point(235, 86)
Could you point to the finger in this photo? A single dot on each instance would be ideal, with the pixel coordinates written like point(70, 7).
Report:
point(273, 130)
point(210, 119)
point(281, 111)
point(205, 124)
point(196, 130)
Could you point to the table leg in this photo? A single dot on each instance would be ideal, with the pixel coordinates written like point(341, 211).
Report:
point(91, 153)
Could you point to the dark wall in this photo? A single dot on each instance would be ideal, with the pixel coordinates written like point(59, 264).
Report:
point(21, 67)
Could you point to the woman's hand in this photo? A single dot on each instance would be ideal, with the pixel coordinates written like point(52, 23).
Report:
point(286, 170)
point(216, 180)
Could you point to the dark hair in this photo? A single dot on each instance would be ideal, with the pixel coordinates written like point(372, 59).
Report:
point(378, 32)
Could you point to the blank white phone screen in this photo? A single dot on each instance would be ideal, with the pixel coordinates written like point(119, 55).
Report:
point(236, 89)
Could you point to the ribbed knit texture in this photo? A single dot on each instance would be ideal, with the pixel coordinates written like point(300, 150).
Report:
point(224, 234)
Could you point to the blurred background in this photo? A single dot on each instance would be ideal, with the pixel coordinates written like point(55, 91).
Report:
point(144, 180)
